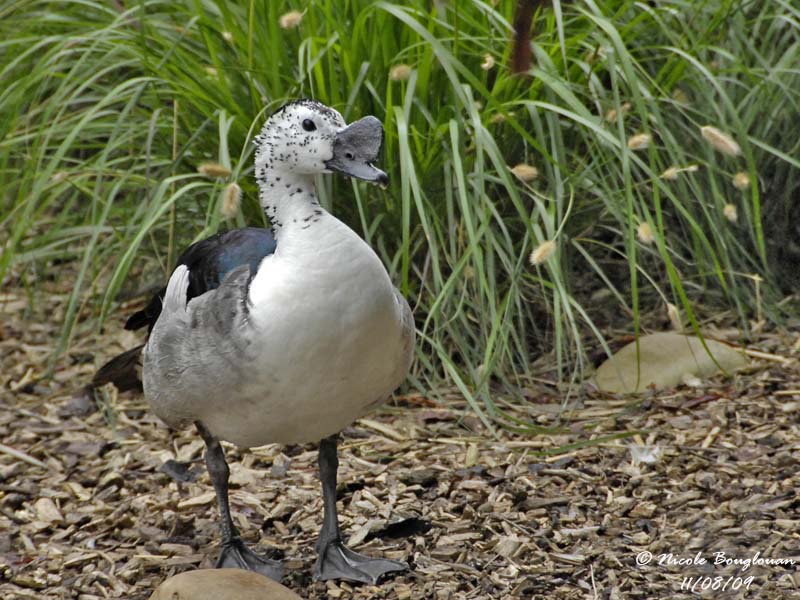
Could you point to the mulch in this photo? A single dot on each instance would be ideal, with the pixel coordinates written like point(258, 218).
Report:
point(87, 510)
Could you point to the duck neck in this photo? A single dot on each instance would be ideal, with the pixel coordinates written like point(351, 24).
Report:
point(288, 199)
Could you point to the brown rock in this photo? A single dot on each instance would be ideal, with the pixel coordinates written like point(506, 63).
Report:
point(222, 584)
point(663, 360)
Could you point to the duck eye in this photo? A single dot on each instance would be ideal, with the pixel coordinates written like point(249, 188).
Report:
point(309, 125)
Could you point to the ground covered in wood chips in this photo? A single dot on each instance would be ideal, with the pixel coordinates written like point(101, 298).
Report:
point(87, 511)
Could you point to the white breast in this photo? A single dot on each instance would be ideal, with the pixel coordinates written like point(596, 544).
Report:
point(327, 339)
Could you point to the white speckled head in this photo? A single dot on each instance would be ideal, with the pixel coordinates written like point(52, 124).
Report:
point(298, 137)
point(306, 137)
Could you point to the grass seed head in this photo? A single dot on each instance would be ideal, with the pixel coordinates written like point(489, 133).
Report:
point(59, 176)
point(645, 233)
point(741, 181)
point(640, 141)
point(674, 317)
point(231, 199)
point(671, 173)
point(595, 54)
point(730, 212)
point(525, 172)
point(542, 252)
point(501, 118)
point(291, 19)
point(721, 141)
point(611, 115)
point(680, 96)
point(400, 72)
point(213, 170)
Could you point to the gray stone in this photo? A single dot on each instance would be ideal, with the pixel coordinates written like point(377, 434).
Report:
point(665, 359)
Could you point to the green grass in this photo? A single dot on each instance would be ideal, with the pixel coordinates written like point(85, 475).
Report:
point(106, 112)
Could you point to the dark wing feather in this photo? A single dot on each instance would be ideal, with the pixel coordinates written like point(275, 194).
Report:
point(209, 261)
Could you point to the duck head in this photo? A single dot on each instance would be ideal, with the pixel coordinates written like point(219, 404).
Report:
point(308, 138)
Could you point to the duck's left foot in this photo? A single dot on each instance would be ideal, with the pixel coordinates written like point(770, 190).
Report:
point(337, 561)
point(235, 554)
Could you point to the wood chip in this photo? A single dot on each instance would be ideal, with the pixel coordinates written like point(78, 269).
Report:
point(512, 516)
point(47, 512)
point(200, 500)
point(382, 428)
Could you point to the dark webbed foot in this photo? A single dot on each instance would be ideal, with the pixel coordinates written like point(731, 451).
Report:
point(235, 554)
point(337, 561)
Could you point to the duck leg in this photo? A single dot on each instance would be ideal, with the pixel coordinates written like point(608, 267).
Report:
point(335, 560)
point(234, 553)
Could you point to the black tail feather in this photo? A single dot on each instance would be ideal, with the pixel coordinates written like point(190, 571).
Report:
point(148, 315)
point(124, 371)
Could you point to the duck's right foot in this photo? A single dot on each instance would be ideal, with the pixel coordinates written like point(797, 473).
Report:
point(235, 554)
point(337, 561)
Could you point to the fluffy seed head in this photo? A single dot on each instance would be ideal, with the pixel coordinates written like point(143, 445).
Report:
point(645, 233)
point(639, 141)
point(741, 181)
point(525, 172)
point(730, 212)
point(59, 176)
point(680, 96)
point(488, 62)
point(721, 141)
point(210, 169)
point(542, 252)
point(400, 72)
point(291, 19)
point(611, 115)
point(592, 56)
point(231, 198)
point(671, 173)
point(674, 317)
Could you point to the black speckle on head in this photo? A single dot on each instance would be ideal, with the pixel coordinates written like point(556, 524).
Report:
point(297, 129)
point(318, 107)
